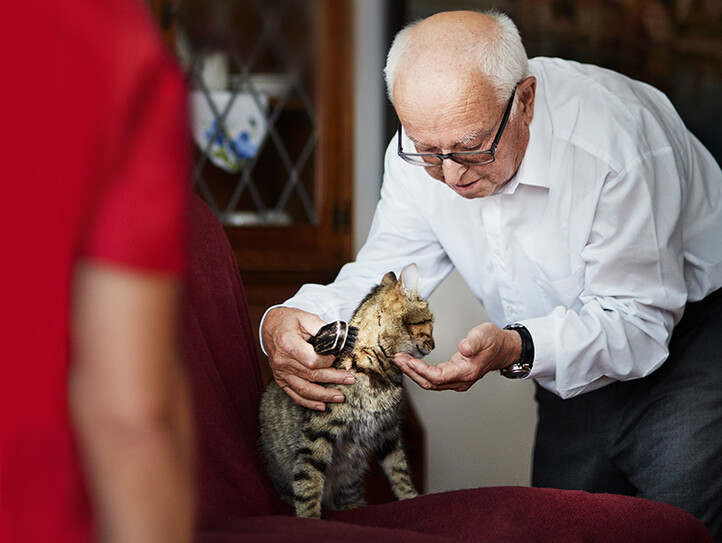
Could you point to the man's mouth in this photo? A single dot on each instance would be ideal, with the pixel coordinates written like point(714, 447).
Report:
point(463, 188)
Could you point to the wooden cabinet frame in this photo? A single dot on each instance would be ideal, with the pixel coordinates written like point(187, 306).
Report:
point(275, 261)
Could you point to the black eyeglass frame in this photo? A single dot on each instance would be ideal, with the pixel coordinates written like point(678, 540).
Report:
point(458, 157)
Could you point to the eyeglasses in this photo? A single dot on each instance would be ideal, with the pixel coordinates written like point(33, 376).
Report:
point(466, 158)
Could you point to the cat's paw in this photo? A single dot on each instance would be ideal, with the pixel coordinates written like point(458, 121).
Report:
point(408, 495)
point(308, 510)
point(354, 505)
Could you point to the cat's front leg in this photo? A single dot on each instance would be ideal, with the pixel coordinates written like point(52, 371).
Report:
point(313, 459)
point(395, 464)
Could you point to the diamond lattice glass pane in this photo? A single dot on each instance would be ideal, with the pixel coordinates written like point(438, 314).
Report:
point(250, 66)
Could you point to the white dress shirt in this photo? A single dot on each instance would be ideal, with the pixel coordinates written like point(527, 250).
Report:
point(611, 224)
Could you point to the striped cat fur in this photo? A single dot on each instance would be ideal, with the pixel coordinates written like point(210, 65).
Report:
point(320, 458)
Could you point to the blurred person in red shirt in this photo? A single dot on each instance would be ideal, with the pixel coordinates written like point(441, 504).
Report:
point(94, 166)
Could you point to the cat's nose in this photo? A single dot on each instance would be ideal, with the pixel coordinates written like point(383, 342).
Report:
point(427, 346)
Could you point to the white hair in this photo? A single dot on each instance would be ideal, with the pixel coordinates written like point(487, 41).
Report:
point(500, 57)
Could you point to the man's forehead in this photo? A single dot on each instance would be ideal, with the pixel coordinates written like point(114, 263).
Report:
point(452, 80)
point(456, 118)
point(427, 139)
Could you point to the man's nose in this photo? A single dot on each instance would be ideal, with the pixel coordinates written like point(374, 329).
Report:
point(452, 171)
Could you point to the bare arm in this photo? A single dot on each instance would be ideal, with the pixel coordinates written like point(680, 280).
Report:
point(296, 366)
point(130, 404)
point(485, 348)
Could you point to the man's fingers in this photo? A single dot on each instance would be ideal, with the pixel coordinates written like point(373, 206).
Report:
point(479, 339)
point(316, 374)
point(296, 367)
point(405, 361)
point(416, 378)
point(445, 373)
point(299, 379)
point(331, 375)
point(426, 376)
point(307, 393)
point(466, 348)
point(449, 375)
point(309, 404)
point(402, 358)
point(429, 378)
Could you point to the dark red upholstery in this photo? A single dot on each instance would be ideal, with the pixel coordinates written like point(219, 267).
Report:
point(236, 501)
point(226, 381)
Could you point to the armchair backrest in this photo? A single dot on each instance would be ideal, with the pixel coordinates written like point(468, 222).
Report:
point(223, 367)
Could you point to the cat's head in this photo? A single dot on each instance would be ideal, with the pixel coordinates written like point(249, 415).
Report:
point(402, 317)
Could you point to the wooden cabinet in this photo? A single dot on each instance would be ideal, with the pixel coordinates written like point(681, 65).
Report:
point(287, 208)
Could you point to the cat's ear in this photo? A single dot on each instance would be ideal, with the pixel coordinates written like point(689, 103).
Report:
point(389, 279)
point(409, 279)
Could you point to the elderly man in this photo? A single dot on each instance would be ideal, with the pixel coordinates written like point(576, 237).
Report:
point(585, 217)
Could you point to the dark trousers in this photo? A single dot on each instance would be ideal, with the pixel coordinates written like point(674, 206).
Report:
point(658, 438)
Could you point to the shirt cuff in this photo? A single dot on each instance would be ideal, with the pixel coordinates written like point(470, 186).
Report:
point(542, 333)
point(260, 327)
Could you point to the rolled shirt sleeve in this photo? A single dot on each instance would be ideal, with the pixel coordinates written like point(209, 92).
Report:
point(633, 290)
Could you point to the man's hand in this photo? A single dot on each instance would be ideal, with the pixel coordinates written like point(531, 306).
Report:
point(296, 366)
point(485, 348)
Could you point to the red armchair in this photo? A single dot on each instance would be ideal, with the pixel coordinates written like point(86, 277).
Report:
point(236, 501)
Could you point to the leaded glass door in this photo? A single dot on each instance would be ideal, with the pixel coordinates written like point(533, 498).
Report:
point(251, 67)
point(270, 89)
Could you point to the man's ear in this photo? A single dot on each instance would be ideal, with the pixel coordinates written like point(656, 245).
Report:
point(527, 92)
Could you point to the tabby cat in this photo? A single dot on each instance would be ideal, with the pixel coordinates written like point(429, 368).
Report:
point(320, 458)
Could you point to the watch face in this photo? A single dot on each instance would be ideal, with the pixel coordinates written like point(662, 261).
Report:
point(515, 371)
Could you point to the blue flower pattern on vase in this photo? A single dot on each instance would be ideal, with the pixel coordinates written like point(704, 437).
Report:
point(233, 152)
point(215, 134)
point(242, 145)
point(231, 143)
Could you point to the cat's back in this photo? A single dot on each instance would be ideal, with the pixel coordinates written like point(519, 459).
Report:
point(278, 414)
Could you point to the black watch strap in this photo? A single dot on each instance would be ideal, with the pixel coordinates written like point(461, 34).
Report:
point(522, 368)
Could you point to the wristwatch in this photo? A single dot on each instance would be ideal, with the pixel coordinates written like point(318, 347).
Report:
point(522, 368)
